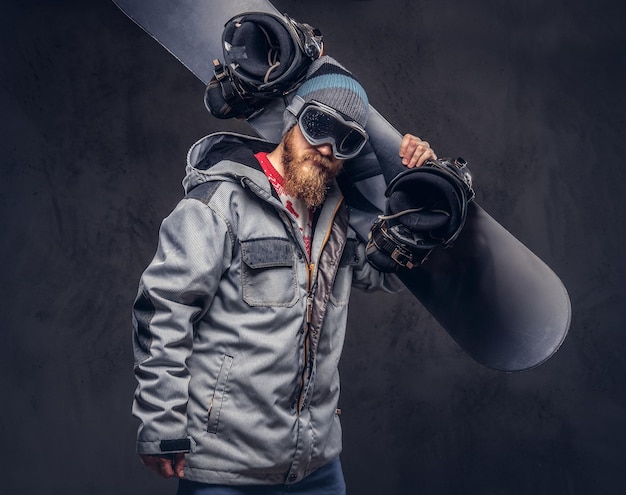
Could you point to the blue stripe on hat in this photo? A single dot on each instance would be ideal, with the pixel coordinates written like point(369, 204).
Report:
point(327, 81)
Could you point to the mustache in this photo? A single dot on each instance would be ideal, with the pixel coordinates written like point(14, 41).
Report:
point(318, 159)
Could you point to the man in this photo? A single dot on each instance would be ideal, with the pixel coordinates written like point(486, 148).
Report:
point(240, 317)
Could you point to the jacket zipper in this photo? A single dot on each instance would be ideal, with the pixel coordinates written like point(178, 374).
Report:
point(309, 310)
point(307, 328)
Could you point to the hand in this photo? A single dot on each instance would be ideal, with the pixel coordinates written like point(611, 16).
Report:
point(165, 466)
point(414, 152)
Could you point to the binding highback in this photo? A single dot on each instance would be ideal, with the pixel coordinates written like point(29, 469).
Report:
point(265, 56)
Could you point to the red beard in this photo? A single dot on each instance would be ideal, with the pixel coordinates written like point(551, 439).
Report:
point(309, 175)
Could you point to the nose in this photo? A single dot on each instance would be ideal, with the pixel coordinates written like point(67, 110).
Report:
point(325, 149)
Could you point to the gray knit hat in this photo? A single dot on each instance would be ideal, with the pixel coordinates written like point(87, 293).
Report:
point(332, 84)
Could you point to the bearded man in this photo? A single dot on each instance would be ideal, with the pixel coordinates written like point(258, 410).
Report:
point(240, 318)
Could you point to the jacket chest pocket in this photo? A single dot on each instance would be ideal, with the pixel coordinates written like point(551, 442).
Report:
point(268, 272)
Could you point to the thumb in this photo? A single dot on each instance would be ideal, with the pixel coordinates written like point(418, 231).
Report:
point(178, 464)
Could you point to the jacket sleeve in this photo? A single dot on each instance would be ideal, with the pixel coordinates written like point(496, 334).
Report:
point(175, 290)
point(368, 278)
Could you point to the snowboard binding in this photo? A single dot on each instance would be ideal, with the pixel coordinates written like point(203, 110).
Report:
point(425, 209)
point(265, 56)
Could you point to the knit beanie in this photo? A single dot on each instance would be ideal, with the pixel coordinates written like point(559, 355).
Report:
point(332, 84)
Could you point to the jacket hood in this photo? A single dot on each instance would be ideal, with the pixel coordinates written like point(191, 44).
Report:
point(225, 156)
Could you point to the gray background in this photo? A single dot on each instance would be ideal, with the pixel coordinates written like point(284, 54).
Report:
point(96, 121)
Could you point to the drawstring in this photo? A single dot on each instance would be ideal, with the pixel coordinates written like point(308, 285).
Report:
point(272, 55)
point(406, 212)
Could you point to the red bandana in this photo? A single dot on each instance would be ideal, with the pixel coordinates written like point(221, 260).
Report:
point(295, 206)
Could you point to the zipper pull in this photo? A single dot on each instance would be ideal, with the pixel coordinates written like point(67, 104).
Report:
point(309, 309)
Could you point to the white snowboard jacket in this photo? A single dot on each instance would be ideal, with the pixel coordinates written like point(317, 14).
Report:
point(237, 336)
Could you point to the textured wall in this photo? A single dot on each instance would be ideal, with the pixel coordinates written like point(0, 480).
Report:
point(96, 121)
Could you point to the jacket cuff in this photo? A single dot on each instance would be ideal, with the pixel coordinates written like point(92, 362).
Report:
point(173, 446)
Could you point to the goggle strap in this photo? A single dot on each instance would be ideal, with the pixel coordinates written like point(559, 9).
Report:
point(296, 105)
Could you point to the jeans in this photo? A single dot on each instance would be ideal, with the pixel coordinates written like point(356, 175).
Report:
point(327, 480)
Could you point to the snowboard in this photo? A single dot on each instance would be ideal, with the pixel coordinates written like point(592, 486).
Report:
point(501, 303)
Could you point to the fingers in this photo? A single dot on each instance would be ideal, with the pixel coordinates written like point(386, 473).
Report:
point(160, 465)
point(414, 151)
point(166, 467)
point(178, 464)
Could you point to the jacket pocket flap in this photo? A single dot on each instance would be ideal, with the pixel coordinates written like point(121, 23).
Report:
point(267, 252)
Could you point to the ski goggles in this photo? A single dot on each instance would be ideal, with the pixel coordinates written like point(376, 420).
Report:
point(321, 124)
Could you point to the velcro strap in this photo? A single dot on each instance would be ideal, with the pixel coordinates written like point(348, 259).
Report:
point(177, 445)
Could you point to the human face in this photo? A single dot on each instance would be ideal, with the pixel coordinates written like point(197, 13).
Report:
point(308, 170)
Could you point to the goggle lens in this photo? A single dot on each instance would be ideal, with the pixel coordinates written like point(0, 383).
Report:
point(317, 124)
point(351, 141)
point(321, 126)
